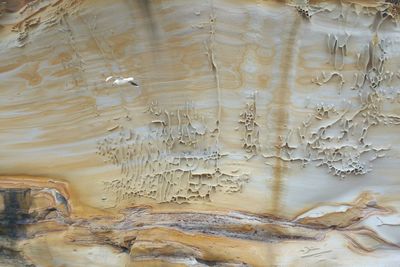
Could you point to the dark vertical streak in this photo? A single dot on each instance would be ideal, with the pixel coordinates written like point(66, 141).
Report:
point(16, 211)
point(16, 204)
point(281, 99)
point(147, 10)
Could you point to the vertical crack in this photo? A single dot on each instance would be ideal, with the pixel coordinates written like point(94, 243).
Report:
point(210, 44)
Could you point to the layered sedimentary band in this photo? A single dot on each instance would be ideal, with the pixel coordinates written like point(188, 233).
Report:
point(261, 133)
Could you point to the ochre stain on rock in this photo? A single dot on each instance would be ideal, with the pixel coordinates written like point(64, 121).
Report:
point(281, 99)
point(31, 74)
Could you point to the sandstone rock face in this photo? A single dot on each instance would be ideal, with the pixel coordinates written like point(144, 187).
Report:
point(262, 133)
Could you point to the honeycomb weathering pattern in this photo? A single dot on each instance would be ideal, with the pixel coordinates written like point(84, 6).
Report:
point(263, 133)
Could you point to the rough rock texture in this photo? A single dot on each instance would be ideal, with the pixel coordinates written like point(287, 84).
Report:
point(263, 133)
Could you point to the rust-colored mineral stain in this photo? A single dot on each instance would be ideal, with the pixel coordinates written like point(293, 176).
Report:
point(281, 100)
point(208, 245)
point(119, 43)
point(26, 181)
point(31, 74)
point(15, 5)
point(65, 72)
point(9, 67)
point(61, 58)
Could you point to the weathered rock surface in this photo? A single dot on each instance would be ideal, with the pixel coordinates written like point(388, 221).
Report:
point(262, 133)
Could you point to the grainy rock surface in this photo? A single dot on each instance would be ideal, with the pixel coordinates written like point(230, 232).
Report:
point(262, 133)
